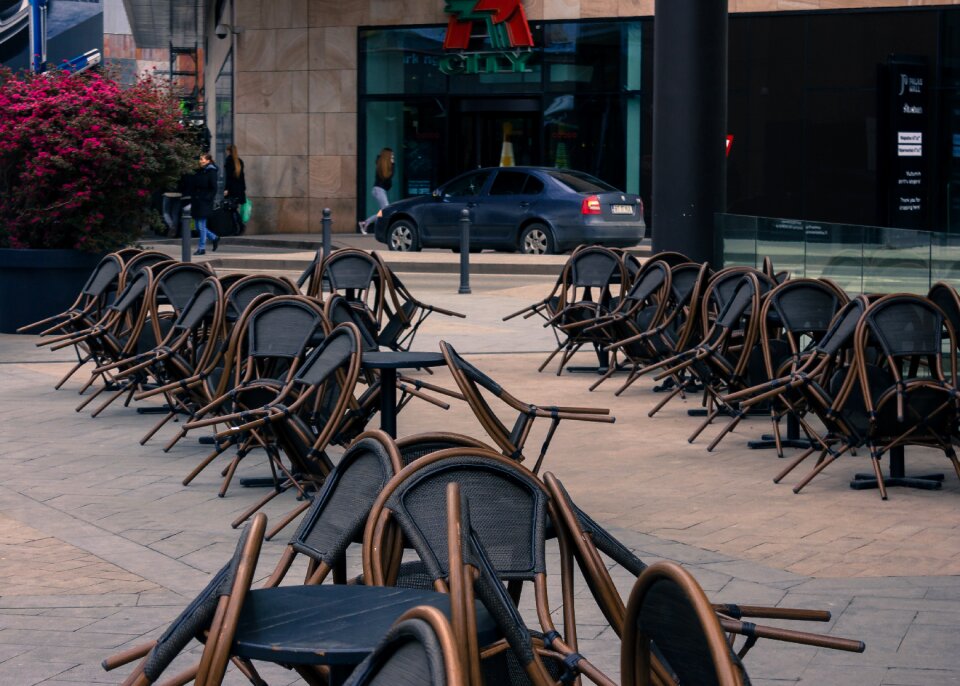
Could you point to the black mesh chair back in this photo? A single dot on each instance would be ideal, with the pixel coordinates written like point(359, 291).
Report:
point(419, 650)
point(841, 330)
point(420, 445)
point(358, 276)
point(508, 510)
point(906, 325)
point(233, 580)
point(338, 310)
point(176, 284)
point(104, 276)
point(652, 280)
point(200, 306)
point(945, 296)
point(95, 295)
point(351, 270)
point(137, 263)
point(282, 327)
point(738, 304)
point(595, 267)
point(244, 291)
point(339, 511)
point(669, 608)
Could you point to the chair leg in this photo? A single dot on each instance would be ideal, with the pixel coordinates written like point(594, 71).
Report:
point(86, 402)
point(822, 464)
point(610, 371)
point(571, 351)
point(659, 406)
point(219, 450)
point(107, 403)
point(72, 371)
point(228, 477)
point(731, 425)
point(712, 412)
point(550, 357)
point(803, 456)
point(157, 427)
point(875, 459)
point(249, 512)
point(173, 441)
point(289, 517)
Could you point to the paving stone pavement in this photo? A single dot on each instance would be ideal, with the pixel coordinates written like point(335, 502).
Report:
point(101, 545)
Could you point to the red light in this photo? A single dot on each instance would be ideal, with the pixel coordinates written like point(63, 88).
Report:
point(590, 205)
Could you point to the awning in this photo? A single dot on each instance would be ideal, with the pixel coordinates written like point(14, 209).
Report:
point(160, 23)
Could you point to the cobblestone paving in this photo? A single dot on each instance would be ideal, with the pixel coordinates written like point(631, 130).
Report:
point(101, 545)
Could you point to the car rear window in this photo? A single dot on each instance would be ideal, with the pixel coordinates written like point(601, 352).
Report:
point(579, 182)
point(515, 183)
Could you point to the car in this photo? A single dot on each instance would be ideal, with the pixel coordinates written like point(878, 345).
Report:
point(14, 18)
point(531, 209)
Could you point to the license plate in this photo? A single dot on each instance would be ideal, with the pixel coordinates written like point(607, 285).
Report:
point(621, 209)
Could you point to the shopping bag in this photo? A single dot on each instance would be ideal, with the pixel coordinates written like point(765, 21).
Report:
point(245, 210)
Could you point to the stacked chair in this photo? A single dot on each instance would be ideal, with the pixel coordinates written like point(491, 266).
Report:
point(485, 544)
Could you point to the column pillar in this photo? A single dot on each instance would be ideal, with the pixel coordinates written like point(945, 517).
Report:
point(689, 124)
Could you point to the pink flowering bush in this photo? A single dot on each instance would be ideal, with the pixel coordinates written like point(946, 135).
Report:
point(80, 156)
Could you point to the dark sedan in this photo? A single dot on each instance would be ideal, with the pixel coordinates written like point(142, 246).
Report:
point(531, 209)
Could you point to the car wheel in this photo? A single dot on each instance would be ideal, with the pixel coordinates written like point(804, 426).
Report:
point(403, 237)
point(537, 240)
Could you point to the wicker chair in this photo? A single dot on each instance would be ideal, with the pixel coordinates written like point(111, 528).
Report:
point(338, 513)
point(472, 382)
point(420, 650)
point(211, 617)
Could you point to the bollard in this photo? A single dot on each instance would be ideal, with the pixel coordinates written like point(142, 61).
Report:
point(464, 251)
point(184, 238)
point(325, 223)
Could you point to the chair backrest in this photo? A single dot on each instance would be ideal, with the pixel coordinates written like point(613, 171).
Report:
point(670, 257)
point(588, 539)
point(133, 266)
point(358, 276)
point(508, 511)
point(419, 650)
point(339, 511)
point(668, 607)
point(906, 325)
point(176, 284)
point(229, 585)
point(945, 296)
point(241, 293)
point(595, 267)
point(470, 380)
point(338, 310)
point(283, 326)
point(419, 445)
point(104, 276)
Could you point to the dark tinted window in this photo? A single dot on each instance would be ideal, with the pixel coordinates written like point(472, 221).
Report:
point(579, 182)
point(533, 186)
point(471, 184)
point(508, 183)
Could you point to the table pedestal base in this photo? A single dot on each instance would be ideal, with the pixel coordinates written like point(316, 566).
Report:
point(898, 476)
point(929, 482)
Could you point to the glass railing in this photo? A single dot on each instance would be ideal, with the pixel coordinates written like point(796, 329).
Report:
point(860, 259)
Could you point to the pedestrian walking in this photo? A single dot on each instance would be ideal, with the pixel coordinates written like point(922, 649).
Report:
point(235, 187)
point(384, 181)
point(203, 189)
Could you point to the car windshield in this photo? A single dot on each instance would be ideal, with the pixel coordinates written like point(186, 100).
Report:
point(579, 182)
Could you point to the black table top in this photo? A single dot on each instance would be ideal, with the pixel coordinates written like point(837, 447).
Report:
point(331, 624)
point(391, 359)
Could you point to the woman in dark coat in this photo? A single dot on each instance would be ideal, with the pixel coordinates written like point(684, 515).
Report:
point(203, 189)
point(235, 186)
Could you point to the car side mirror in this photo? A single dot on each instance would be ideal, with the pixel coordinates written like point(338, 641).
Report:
point(437, 194)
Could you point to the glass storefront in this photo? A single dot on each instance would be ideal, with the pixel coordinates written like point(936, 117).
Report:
point(576, 100)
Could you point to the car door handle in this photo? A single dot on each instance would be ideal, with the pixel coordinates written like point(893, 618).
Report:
point(524, 203)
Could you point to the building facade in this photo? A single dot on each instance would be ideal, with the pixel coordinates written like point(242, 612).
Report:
point(312, 90)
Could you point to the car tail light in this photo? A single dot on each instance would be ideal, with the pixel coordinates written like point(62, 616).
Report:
point(590, 205)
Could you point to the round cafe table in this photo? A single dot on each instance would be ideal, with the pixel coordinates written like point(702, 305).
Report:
point(334, 625)
point(388, 362)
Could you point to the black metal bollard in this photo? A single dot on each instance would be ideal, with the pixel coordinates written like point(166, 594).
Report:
point(184, 238)
point(325, 223)
point(464, 251)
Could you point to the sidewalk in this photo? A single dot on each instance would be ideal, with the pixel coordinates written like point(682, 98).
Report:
point(101, 545)
point(293, 252)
